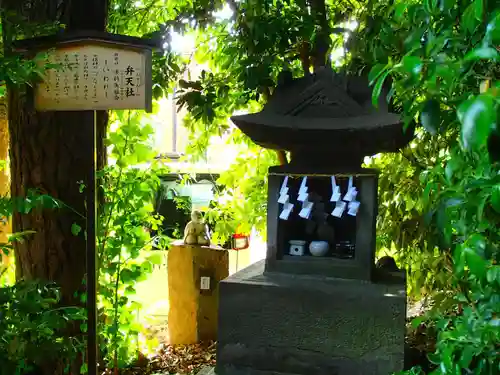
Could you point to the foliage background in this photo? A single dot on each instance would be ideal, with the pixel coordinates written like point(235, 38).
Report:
point(439, 197)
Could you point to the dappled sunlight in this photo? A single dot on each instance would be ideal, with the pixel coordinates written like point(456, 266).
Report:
point(391, 266)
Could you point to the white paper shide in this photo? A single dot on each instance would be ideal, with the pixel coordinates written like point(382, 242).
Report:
point(284, 199)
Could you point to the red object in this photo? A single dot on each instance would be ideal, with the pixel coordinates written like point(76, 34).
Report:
point(240, 242)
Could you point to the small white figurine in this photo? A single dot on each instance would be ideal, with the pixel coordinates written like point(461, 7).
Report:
point(196, 231)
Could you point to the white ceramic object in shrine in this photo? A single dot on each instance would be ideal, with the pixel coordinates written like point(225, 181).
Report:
point(297, 247)
point(319, 248)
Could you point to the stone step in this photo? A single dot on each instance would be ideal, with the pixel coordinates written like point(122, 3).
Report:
point(207, 370)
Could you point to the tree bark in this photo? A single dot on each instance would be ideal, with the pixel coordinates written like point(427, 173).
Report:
point(5, 224)
point(52, 152)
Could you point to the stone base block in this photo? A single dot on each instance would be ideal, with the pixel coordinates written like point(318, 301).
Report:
point(234, 371)
point(193, 308)
point(272, 323)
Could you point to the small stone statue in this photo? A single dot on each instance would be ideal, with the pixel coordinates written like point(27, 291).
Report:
point(196, 231)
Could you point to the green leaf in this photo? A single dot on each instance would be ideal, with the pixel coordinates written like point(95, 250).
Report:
point(481, 206)
point(495, 198)
point(412, 65)
point(459, 259)
point(157, 258)
point(19, 236)
point(483, 53)
point(158, 92)
point(429, 188)
point(469, 19)
point(399, 10)
point(430, 6)
point(451, 166)
point(478, 242)
point(127, 275)
point(431, 116)
point(493, 30)
point(146, 267)
point(493, 274)
point(75, 229)
point(84, 369)
point(143, 153)
point(446, 5)
point(375, 72)
point(477, 116)
point(467, 355)
point(378, 88)
point(130, 290)
point(475, 262)
point(442, 323)
point(415, 323)
point(434, 359)
point(479, 9)
point(48, 202)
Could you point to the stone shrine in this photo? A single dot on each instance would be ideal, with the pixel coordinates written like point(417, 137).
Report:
point(318, 305)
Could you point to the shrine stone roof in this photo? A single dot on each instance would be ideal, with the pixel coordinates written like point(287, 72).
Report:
point(326, 114)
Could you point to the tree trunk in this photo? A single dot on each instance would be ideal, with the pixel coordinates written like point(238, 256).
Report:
point(52, 151)
point(5, 224)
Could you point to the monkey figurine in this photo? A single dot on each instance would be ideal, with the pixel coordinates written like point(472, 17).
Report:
point(196, 231)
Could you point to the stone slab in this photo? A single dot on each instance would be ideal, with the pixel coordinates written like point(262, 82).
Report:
point(241, 371)
point(272, 323)
point(206, 370)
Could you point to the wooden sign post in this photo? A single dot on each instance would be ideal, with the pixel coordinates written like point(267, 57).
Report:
point(93, 71)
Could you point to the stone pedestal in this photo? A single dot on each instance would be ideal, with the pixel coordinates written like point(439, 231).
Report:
point(194, 274)
point(272, 323)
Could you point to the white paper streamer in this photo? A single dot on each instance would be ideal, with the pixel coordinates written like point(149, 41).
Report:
point(284, 188)
point(285, 214)
point(303, 187)
point(353, 208)
point(339, 209)
point(284, 198)
point(305, 213)
point(352, 192)
point(335, 191)
point(303, 196)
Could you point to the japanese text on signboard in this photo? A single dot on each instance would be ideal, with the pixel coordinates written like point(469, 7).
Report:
point(93, 77)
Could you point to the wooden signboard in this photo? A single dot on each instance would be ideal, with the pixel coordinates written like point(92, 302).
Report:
point(92, 71)
point(95, 77)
